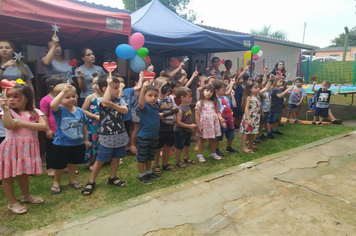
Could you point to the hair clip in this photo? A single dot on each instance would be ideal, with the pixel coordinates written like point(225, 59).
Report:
point(255, 78)
point(20, 81)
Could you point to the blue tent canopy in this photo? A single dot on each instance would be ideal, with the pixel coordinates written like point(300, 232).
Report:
point(166, 33)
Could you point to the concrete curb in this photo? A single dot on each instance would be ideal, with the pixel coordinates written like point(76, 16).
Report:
point(99, 213)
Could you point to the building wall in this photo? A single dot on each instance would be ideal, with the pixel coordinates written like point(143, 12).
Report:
point(272, 54)
point(350, 54)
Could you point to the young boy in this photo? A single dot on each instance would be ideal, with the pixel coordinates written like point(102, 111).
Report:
point(112, 136)
point(277, 101)
point(226, 113)
point(147, 137)
point(296, 97)
point(166, 129)
point(322, 101)
point(183, 129)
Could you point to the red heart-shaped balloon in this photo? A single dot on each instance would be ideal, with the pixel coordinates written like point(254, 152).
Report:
point(222, 61)
point(237, 72)
point(6, 84)
point(149, 75)
point(147, 59)
point(110, 67)
point(303, 74)
point(242, 69)
point(73, 63)
point(176, 63)
point(313, 78)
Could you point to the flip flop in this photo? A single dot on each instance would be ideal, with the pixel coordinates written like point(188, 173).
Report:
point(248, 152)
point(58, 188)
point(76, 186)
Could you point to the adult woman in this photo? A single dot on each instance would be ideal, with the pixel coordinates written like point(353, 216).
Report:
point(11, 69)
point(214, 71)
point(85, 72)
point(173, 71)
point(279, 68)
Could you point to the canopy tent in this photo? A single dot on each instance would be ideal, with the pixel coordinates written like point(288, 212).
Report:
point(30, 22)
point(166, 33)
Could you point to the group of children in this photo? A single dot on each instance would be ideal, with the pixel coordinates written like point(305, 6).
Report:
point(99, 132)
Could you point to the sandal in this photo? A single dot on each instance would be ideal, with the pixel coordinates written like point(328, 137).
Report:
point(120, 183)
point(157, 169)
point(88, 191)
point(168, 167)
point(195, 149)
point(188, 160)
point(181, 164)
point(76, 186)
point(58, 189)
point(15, 210)
point(32, 199)
point(248, 151)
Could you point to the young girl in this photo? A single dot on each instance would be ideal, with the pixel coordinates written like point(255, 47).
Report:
point(91, 110)
point(71, 137)
point(251, 104)
point(200, 85)
point(45, 102)
point(20, 151)
point(207, 118)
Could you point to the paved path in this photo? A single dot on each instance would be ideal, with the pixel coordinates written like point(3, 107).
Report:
point(305, 191)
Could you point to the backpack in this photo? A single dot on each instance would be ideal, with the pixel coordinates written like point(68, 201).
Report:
point(312, 102)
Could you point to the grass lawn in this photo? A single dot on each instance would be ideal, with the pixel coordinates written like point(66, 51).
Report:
point(70, 203)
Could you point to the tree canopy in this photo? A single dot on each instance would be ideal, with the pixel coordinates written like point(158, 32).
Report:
point(177, 6)
point(266, 31)
point(340, 40)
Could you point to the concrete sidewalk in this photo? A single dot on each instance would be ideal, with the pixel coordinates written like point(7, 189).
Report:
point(309, 190)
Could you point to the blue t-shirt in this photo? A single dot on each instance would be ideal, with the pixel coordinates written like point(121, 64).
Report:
point(239, 91)
point(128, 92)
point(149, 121)
point(69, 130)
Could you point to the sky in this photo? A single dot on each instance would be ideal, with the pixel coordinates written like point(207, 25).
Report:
point(324, 20)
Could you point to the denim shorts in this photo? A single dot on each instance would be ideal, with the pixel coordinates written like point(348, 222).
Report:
point(263, 120)
point(273, 117)
point(105, 154)
point(229, 134)
point(323, 112)
point(146, 149)
point(294, 107)
point(183, 139)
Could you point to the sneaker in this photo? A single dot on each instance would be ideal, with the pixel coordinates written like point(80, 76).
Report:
point(296, 122)
point(154, 176)
point(287, 122)
point(277, 132)
point(320, 123)
point(201, 159)
point(216, 157)
point(219, 153)
point(264, 130)
point(313, 123)
point(263, 138)
point(145, 179)
point(270, 136)
point(129, 153)
point(230, 149)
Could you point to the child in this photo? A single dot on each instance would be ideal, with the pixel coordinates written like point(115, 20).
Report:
point(71, 137)
point(135, 110)
point(207, 117)
point(20, 151)
point(238, 88)
point(296, 100)
point(251, 119)
point(113, 136)
point(166, 129)
point(183, 129)
point(226, 113)
point(200, 85)
point(91, 110)
point(322, 101)
point(277, 101)
point(174, 86)
point(147, 137)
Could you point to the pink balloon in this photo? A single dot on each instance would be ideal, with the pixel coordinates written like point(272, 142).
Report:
point(255, 57)
point(137, 40)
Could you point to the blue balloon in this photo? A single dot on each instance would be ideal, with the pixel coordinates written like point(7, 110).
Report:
point(125, 51)
point(137, 64)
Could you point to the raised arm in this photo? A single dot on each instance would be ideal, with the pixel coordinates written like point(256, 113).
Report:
point(313, 88)
point(265, 71)
point(229, 87)
point(81, 80)
point(190, 81)
point(338, 90)
point(106, 101)
point(6, 118)
point(174, 72)
point(50, 54)
point(233, 100)
point(140, 82)
point(57, 100)
point(141, 99)
point(281, 95)
point(268, 85)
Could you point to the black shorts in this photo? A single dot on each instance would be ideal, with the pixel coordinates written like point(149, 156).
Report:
point(49, 153)
point(166, 137)
point(128, 127)
point(67, 154)
point(183, 139)
point(323, 112)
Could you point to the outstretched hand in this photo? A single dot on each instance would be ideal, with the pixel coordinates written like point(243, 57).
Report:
point(4, 104)
point(67, 88)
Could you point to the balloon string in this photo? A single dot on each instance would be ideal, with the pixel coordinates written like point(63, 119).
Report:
point(5, 94)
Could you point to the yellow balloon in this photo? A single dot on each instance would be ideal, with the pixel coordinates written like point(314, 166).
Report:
point(247, 55)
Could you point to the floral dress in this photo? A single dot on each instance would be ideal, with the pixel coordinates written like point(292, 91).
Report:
point(93, 127)
point(209, 120)
point(20, 151)
point(254, 111)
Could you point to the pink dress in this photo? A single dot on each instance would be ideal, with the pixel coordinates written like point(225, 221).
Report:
point(254, 110)
point(209, 120)
point(20, 151)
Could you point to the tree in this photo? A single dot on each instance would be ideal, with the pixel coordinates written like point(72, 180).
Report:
point(340, 40)
point(266, 32)
point(177, 6)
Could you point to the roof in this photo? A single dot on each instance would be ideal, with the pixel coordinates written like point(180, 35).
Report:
point(265, 39)
point(30, 22)
point(100, 6)
point(333, 49)
point(166, 33)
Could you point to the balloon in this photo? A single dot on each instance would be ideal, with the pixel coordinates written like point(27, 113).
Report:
point(247, 55)
point(137, 64)
point(147, 59)
point(255, 49)
point(260, 53)
point(125, 51)
point(142, 52)
point(255, 57)
point(137, 40)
